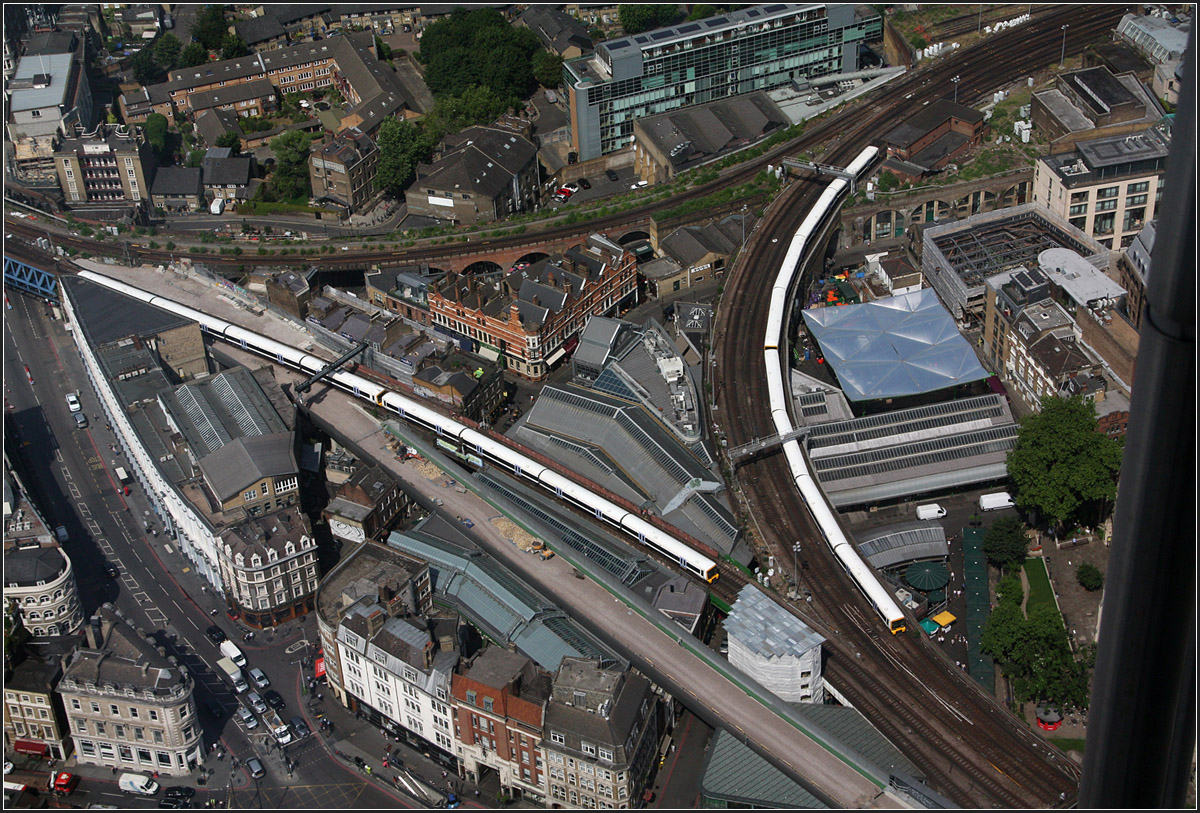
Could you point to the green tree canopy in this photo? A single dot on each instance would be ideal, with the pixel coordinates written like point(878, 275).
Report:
point(1060, 463)
point(231, 140)
point(638, 17)
point(478, 47)
point(155, 129)
point(290, 178)
point(210, 27)
point(145, 69)
point(702, 11)
point(402, 145)
point(476, 105)
point(1005, 543)
point(547, 68)
point(233, 46)
point(166, 51)
point(194, 54)
point(1089, 577)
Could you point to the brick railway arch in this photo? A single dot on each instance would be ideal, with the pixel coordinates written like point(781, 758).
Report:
point(483, 268)
point(981, 200)
point(930, 211)
point(632, 236)
point(530, 258)
point(1015, 195)
point(883, 225)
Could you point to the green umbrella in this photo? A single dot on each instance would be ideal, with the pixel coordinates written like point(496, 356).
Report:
point(927, 575)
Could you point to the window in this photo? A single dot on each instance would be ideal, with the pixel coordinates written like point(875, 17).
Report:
point(1079, 197)
point(471, 697)
point(1134, 188)
point(1106, 205)
point(37, 114)
point(1080, 209)
point(1109, 192)
point(607, 755)
point(487, 704)
point(557, 738)
point(588, 748)
point(252, 494)
point(154, 714)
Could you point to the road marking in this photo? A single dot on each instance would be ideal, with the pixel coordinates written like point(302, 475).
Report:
point(83, 508)
point(74, 490)
point(58, 455)
point(167, 548)
point(66, 473)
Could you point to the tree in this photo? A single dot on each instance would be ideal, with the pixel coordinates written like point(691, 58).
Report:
point(210, 27)
point(701, 11)
point(402, 145)
point(145, 69)
point(1089, 577)
point(166, 51)
point(195, 158)
point(290, 178)
point(231, 140)
point(1005, 543)
point(233, 46)
point(383, 49)
point(547, 68)
point(478, 47)
point(1060, 463)
point(155, 129)
point(476, 105)
point(636, 18)
point(193, 55)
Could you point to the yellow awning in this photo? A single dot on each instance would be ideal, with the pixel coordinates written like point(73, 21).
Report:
point(944, 619)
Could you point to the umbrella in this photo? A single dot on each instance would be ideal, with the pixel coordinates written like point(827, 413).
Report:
point(927, 575)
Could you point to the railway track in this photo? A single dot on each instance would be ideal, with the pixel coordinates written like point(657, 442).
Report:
point(970, 748)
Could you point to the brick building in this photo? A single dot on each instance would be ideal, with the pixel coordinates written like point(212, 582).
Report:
point(113, 164)
point(935, 136)
point(366, 505)
point(538, 310)
point(269, 568)
point(343, 170)
point(498, 701)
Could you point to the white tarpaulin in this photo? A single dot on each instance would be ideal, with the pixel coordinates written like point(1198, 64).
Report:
point(902, 345)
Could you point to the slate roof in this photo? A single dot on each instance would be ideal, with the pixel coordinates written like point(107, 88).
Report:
point(259, 29)
point(176, 181)
point(928, 118)
point(228, 171)
point(247, 460)
point(690, 244)
point(28, 566)
point(482, 160)
point(124, 659)
point(241, 92)
point(556, 29)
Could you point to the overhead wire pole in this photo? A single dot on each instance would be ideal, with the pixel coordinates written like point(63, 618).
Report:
point(1141, 738)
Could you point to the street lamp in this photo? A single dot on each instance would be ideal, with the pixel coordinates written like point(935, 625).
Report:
point(743, 228)
point(795, 554)
point(955, 80)
point(1062, 60)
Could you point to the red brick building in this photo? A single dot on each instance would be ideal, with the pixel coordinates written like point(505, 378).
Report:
point(498, 704)
point(534, 317)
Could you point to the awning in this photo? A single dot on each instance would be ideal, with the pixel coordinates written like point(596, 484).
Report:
point(488, 353)
point(37, 749)
point(320, 670)
point(944, 619)
point(927, 575)
point(556, 355)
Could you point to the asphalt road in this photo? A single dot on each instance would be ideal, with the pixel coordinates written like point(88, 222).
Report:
point(71, 471)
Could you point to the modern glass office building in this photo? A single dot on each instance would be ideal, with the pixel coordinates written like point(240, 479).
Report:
point(758, 48)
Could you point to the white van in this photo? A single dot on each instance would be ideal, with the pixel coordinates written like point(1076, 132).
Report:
point(218, 206)
point(931, 511)
point(994, 502)
point(229, 650)
point(137, 783)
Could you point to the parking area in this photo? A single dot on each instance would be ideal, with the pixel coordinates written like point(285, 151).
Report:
point(601, 186)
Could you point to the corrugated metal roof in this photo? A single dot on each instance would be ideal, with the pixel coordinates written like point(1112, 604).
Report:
point(735, 773)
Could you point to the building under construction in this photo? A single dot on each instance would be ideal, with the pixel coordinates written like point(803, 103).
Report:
point(957, 258)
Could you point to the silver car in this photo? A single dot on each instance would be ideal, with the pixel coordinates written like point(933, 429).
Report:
point(248, 718)
point(260, 678)
point(255, 702)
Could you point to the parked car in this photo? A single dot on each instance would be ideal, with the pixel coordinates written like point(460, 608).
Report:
point(274, 700)
point(73, 402)
point(573, 186)
point(572, 157)
point(584, 183)
point(260, 678)
point(180, 791)
point(640, 185)
point(255, 768)
point(255, 701)
point(608, 173)
point(247, 717)
point(174, 803)
point(111, 571)
point(215, 634)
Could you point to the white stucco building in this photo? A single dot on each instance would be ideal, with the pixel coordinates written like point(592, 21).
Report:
point(774, 647)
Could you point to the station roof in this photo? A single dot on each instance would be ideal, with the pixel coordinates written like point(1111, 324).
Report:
point(889, 348)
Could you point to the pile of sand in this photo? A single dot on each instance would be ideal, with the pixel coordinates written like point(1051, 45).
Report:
point(514, 533)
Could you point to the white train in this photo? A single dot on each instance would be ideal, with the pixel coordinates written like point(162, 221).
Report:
point(777, 390)
point(417, 413)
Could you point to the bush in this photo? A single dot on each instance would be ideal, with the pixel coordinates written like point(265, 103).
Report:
point(1089, 576)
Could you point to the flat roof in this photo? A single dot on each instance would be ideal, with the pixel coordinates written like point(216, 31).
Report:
point(57, 69)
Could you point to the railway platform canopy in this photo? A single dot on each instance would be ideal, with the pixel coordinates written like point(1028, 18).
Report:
point(895, 347)
point(896, 454)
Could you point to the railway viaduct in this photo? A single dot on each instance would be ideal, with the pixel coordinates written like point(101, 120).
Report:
point(891, 214)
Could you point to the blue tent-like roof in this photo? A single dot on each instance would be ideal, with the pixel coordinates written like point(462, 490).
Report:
point(903, 345)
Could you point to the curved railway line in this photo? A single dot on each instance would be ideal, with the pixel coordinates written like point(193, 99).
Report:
point(970, 748)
